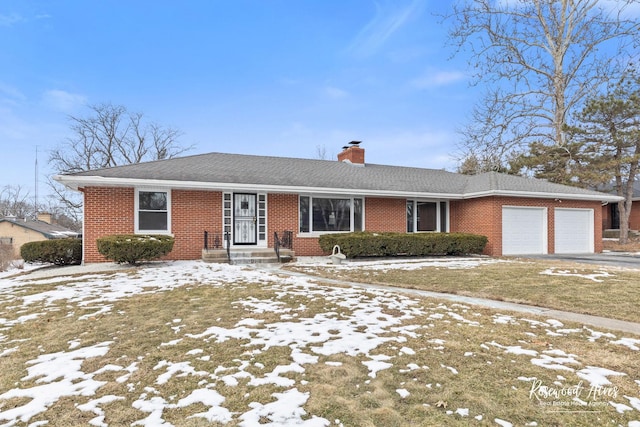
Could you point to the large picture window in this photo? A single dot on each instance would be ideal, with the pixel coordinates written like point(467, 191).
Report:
point(324, 214)
point(152, 211)
point(426, 216)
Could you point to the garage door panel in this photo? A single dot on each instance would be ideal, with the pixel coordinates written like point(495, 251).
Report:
point(524, 230)
point(573, 231)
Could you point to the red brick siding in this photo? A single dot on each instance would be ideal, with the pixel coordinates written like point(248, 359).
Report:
point(106, 211)
point(634, 218)
point(484, 216)
point(111, 211)
point(282, 215)
point(478, 216)
point(193, 212)
point(385, 214)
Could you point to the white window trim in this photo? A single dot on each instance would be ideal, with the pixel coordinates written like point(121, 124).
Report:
point(137, 211)
point(438, 216)
point(312, 233)
point(263, 243)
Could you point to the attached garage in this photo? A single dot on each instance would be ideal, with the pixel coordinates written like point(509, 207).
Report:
point(524, 230)
point(573, 231)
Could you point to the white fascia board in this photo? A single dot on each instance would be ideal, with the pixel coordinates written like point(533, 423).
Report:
point(542, 195)
point(74, 183)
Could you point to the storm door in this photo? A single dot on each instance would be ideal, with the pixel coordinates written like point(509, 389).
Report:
point(244, 219)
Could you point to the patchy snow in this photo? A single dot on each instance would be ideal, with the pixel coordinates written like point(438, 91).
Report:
point(58, 375)
point(597, 376)
point(358, 325)
point(403, 392)
point(632, 343)
point(463, 412)
point(402, 264)
point(596, 276)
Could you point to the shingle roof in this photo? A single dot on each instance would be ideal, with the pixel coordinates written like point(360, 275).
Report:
point(499, 182)
point(50, 231)
point(636, 190)
point(306, 174)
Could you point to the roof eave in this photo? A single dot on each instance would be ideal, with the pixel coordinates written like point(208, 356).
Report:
point(75, 183)
point(602, 197)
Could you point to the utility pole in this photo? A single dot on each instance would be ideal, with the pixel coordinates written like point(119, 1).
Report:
point(35, 201)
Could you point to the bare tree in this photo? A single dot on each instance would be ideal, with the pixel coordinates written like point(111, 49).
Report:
point(14, 202)
point(110, 136)
point(538, 60)
point(321, 152)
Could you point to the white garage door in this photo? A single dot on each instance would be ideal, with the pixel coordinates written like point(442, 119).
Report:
point(524, 230)
point(573, 231)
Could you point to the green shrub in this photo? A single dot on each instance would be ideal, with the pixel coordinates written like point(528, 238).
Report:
point(55, 251)
point(133, 248)
point(362, 244)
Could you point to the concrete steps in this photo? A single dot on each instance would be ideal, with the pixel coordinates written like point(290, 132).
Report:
point(247, 256)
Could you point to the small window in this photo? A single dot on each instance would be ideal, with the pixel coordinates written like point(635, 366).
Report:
point(425, 216)
point(153, 211)
point(304, 214)
point(6, 240)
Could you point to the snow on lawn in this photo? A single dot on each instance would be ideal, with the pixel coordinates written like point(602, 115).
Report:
point(360, 324)
point(395, 264)
point(596, 276)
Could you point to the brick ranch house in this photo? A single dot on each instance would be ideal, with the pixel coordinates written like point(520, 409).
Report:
point(251, 197)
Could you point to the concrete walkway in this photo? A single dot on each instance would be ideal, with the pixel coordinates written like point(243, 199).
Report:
point(597, 321)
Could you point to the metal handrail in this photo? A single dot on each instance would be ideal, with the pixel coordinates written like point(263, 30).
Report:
point(212, 240)
point(276, 244)
point(285, 242)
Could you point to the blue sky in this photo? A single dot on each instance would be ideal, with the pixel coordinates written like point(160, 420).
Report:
point(278, 77)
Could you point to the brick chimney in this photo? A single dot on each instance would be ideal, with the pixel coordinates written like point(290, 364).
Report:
point(352, 153)
point(44, 217)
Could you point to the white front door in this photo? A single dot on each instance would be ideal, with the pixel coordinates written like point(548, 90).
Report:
point(244, 219)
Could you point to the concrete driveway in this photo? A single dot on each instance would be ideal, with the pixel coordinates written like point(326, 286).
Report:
point(612, 259)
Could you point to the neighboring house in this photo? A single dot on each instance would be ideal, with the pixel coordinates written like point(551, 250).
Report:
point(611, 215)
point(251, 197)
point(16, 232)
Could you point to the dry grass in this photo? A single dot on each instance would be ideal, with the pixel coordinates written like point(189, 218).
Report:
point(340, 387)
point(633, 245)
point(615, 294)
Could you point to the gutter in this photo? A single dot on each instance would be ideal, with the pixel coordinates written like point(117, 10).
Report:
point(75, 183)
point(99, 181)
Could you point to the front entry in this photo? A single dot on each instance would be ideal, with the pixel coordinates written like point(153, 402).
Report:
point(244, 219)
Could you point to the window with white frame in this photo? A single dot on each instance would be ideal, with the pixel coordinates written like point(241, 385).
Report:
point(329, 214)
point(152, 211)
point(427, 216)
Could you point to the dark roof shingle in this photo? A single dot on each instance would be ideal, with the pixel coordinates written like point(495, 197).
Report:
point(222, 168)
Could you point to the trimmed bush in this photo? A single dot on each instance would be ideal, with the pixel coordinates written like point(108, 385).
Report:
point(363, 244)
point(133, 248)
point(55, 251)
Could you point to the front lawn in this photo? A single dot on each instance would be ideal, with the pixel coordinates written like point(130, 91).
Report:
point(600, 291)
point(194, 344)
